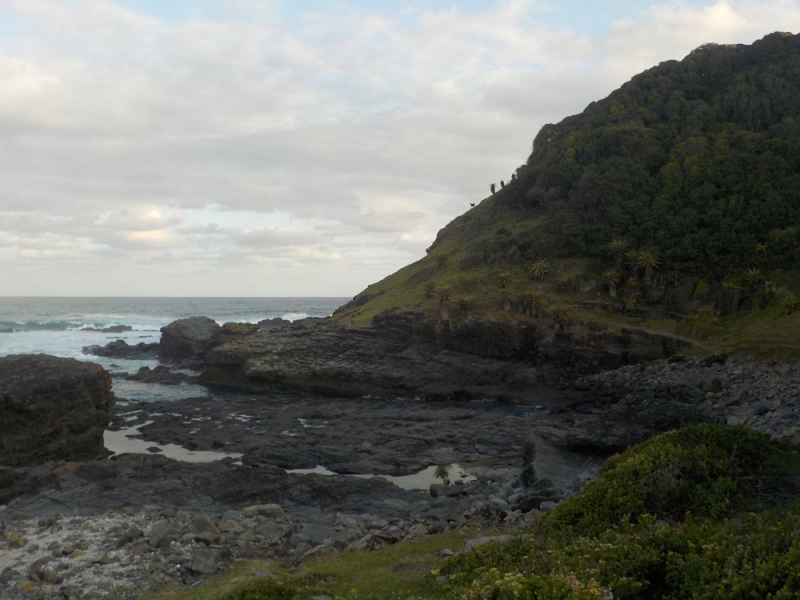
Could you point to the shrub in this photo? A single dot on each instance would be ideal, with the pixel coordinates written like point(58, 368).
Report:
point(699, 469)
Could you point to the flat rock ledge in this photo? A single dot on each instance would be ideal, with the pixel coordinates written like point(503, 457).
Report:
point(52, 409)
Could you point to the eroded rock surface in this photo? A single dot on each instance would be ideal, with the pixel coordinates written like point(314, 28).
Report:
point(407, 355)
point(185, 342)
point(52, 409)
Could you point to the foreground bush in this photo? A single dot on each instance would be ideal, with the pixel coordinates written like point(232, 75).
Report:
point(649, 528)
point(701, 469)
point(756, 556)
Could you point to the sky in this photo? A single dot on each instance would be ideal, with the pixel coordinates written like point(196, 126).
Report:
point(292, 148)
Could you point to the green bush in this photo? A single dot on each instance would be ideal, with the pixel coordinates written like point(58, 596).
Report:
point(267, 588)
point(649, 528)
point(699, 469)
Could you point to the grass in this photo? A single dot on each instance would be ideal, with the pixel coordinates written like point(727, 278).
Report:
point(397, 571)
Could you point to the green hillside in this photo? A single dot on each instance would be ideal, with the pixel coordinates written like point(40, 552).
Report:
point(675, 202)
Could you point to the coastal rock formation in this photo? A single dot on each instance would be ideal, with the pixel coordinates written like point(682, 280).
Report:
point(407, 354)
point(185, 342)
point(121, 349)
point(52, 409)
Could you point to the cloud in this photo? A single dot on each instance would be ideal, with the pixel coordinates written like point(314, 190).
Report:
point(344, 137)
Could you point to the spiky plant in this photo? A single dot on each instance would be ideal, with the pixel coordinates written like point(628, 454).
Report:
point(430, 290)
point(611, 278)
point(567, 282)
point(465, 304)
point(618, 249)
point(525, 303)
point(648, 260)
point(789, 304)
point(504, 280)
point(444, 305)
point(560, 314)
point(538, 305)
point(506, 298)
point(539, 269)
point(753, 276)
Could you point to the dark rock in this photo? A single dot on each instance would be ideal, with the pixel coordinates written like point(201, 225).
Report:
point(232, 331)
point(121, 349)
point(406, 354)
point(116, 329)
point(131, 535)
point(52, 409)
point(185, 342)
point(159, 534)
point(162, 375)
point(271, 324)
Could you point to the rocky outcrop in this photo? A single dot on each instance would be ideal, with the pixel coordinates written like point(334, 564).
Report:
point(52, 409)
point(406, 354)
point(185, 342)
point(121, 349)
point(161, 375)
point(276, 323)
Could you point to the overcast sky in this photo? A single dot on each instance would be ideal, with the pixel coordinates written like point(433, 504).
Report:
point(290, 148)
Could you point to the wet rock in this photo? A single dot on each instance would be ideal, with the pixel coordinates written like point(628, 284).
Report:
point(121, 349)
point(52, 409)
point(270, 324)
point(161, 375)
point(185, 342)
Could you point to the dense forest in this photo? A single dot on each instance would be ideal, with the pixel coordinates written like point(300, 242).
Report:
point(697, 160)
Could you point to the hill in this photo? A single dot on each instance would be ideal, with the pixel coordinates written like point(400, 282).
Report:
point(673, 202)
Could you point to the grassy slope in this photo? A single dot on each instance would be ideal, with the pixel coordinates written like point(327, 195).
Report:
point(400, 570)
point(699, 170)
point(470, 280)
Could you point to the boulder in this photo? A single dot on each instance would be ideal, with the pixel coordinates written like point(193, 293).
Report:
point(185, 342)
point(52, 409)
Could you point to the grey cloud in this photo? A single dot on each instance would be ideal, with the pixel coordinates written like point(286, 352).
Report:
point(371, 132)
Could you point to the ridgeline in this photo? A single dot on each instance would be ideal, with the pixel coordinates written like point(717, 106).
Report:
point(672, 204)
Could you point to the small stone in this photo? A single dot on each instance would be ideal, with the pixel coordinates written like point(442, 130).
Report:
point(204, 561)
point(203, 524)
point(231, 525)
point(101, 559)
point(397, 504)
point(273, 511)
point(547, 505)
point(14, 539)
point(158, 535)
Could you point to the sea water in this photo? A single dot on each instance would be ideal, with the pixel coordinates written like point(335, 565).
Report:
point(65, 326)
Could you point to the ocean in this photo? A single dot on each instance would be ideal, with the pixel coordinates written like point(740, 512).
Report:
point(64, 326)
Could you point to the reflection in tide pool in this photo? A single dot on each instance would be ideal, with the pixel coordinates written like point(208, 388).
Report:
point(121, 442)
point(423, 480)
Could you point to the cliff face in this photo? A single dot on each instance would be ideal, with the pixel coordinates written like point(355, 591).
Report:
point(52, 409)
point(404, 354)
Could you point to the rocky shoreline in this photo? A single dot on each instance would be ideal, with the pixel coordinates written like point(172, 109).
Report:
point(523, 446)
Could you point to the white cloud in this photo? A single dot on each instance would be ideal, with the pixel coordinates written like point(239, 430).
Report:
point(183, 152)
